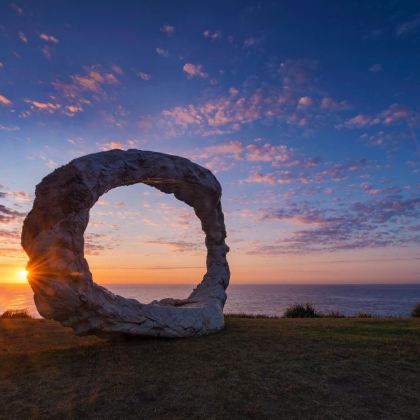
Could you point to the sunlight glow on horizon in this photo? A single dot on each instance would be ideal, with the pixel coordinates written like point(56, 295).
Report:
point(22, 275)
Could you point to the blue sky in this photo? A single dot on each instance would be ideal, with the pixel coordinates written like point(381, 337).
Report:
point(307, 112)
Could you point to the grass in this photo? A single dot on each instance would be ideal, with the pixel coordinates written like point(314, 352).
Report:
point(260, 368)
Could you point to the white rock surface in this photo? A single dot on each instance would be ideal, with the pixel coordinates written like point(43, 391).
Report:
point(59, 274)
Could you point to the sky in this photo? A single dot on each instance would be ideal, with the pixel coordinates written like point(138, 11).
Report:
point(307, 112)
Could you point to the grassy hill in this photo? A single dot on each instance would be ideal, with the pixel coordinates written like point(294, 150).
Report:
point(255, 368)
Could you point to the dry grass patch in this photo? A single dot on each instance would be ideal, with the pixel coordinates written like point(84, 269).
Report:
point(256, 368)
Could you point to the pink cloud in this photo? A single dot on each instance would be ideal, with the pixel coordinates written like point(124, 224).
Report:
point(168, 29)
point(49, 38)
point(268, 153)
point(194, 70)
point(305, 101)
point(258, 178)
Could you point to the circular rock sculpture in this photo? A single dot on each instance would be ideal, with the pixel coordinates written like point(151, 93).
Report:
point(59, 274)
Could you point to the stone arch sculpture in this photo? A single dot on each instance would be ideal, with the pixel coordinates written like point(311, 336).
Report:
point(59, 275)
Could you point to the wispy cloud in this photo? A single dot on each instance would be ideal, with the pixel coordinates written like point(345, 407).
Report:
point(49, 38)
point(17, 9)
point(409, 27)
point(367, 224)
point(9, 127)
point(168, 29)
point(162, 52)
point(8, 215)
point(23, 37)
point(213, 35)
point(143, 75)
point(375, 68)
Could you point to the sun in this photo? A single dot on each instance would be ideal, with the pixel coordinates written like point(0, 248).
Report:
point(22, 274)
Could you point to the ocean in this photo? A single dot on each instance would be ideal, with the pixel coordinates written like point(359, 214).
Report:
point(267, 299)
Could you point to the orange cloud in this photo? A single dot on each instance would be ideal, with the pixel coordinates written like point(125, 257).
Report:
point(44, 106)
point(5, 101)
point(116, 144)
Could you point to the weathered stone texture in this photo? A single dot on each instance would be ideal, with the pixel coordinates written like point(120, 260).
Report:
point(52, 237)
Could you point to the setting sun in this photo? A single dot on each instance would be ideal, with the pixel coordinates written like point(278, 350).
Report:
point(22, 274)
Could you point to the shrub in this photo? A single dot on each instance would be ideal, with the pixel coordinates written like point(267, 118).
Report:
point(364, 315)
point(16, 314)
point(301, 311)
point(416, 311)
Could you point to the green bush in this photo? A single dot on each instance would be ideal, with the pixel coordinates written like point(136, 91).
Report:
point(416, 311)
point(16, 314)
point(301, 311)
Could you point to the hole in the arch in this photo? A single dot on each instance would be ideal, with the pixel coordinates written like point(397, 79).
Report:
point(144, 244)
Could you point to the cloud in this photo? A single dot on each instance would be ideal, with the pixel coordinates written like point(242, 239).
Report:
point(162, 52)
point(168, 29)
point(194, 70)
point(252, 42)
point(49, 38)
point(71, 110)
point(395, 113)
point(44, 106)
point(380, 222)
point(144, 76)
point(84, 87)
point(116, 144)
point(213, 35)
point(375, 68)
point(23, 37)
point(94, 79)
point(409, 27)
point(217, 116)
point(268, 153)
point(47, 52)
point(233, 148)
point(5, 101)
point(8, 215)
point(17, 195)
point(288, 102)
point(9, 127)
point(177, 246)
point(361, 120)
point(305, 101)
point(17, 9)
point(333, 105)
point(259, 178)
